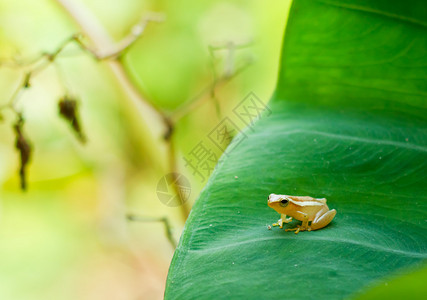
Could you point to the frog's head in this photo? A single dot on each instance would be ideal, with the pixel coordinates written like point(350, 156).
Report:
point(278, 202)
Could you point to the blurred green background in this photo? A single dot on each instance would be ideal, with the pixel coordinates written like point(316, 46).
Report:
point(67, 236)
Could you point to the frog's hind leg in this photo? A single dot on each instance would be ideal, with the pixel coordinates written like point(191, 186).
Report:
point(322, 219)
point(302, 227)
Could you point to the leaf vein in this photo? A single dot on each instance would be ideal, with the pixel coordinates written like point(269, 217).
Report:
point(332, 240)
point(375, 11)
point(361, 139)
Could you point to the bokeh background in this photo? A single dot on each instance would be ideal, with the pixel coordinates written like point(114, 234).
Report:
point(67, 236)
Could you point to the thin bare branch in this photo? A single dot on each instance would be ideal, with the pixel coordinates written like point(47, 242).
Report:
point(164, 220)
point(185, 210)
point(205, 94)
point(25, 83)
point(160, 124)
point(126, 42)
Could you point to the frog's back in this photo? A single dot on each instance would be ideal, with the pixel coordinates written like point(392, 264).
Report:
point(307, 198)
point(322, 200)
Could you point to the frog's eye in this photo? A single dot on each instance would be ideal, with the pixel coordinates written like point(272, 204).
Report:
point(284, 202)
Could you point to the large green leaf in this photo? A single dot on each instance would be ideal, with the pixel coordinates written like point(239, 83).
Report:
point(349, 123)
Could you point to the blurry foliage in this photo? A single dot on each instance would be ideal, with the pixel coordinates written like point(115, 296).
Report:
point(68, 236)
point(411, 285)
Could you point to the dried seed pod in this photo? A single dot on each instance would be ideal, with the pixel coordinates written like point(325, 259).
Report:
point(68, 109)
point(24, 148)
point(27, 83)
point(169, 129)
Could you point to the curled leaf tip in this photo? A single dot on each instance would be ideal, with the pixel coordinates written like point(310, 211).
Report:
point(24, 149)
point(68, 109)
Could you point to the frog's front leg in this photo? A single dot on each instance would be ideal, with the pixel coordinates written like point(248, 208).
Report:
point(286, 220)
point(323, 218)
point(282, 220)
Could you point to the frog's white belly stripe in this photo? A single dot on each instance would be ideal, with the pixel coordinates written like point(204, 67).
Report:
point(308, 203)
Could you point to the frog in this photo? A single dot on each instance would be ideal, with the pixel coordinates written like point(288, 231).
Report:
point(303, 208)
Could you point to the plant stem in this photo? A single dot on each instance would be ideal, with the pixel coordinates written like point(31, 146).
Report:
point(159, 122)
point(150, 113)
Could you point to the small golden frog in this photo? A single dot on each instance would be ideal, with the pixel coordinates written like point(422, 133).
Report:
point(302, 208)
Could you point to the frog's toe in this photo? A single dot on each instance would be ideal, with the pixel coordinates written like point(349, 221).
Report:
point(304, 228)
point(296, 229)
